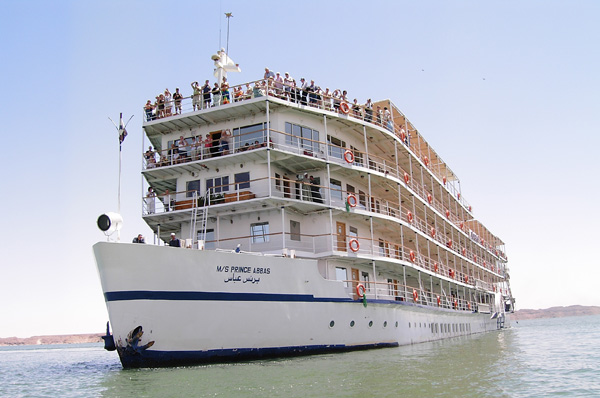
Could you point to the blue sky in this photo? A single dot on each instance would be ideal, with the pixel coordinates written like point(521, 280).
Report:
point(505, 91)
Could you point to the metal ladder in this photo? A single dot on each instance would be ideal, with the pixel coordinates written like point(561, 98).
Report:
point(201, 212)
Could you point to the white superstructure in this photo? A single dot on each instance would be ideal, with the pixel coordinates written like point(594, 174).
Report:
point(296, 207)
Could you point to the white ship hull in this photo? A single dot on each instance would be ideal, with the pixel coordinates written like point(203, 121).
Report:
point(170, 306)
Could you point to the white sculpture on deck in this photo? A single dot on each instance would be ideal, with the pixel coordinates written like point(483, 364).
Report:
point(223, 64)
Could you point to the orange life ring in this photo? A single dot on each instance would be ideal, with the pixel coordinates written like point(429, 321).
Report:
point(449, 244)
point(429, 198)
point(464, 251)
point(447, 213)
point(406, 177)
point(402, 136)
point(439, 300)
point(435, 267)
point(415, 295)
point(426, 161)
point(345, 108)
point(349, 156)
point(433, 232)
point(409, 216)
point(456, 303)
point(451, 273)
point(474, 258)
point(444, 180)
point(466, 278)
point(469, 305)
point(354, 245)
point(352, 202)
point(360, 287)
point(458, 196)
point(412, 256)
point(462, 225)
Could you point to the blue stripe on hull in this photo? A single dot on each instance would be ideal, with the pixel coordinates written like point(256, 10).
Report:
point(215, 296)
point(152, 359)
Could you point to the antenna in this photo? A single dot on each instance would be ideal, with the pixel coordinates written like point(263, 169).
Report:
point(220, 23)
point(228, 15)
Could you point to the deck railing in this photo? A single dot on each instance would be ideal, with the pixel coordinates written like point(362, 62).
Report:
point(411, 294)
point(303, 190)
point(262, 88)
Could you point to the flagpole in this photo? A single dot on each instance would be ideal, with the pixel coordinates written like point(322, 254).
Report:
point(121, 129)
point(120, 144)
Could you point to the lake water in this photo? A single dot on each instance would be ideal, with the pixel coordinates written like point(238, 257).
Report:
point(535, 358)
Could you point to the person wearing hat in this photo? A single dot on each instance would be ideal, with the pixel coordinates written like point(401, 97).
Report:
point(174, 242)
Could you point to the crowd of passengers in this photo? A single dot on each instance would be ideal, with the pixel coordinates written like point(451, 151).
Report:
point(273, 84)
point(196, 148)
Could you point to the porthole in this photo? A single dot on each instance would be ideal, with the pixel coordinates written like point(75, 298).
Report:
point(396, 323)
point(385, 324)
point(331, 324)
point(409, 325)
point(351, 324)
point(370, 323)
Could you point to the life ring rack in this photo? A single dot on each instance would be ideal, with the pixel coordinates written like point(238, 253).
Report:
point(351, 199)
point(349, 156)
point(345, 108)
point(360, 290)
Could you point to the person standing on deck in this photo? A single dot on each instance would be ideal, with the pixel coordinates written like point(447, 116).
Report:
point(206, 91)
point(196, 96)
point(174, 242)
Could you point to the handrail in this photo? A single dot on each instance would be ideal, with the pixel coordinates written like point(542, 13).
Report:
point(195, 151)
point(406, 293)
point(295, 95)
point(307, 191)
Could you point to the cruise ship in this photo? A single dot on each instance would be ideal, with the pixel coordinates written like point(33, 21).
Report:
point(289, 222)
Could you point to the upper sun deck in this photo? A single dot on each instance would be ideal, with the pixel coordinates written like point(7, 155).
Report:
point(191, 112)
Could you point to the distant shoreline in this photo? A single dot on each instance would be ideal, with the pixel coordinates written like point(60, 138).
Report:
point(57, 339)
point(553, 312)
point(556, 312)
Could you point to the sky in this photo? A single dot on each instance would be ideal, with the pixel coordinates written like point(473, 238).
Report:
point(506, 92)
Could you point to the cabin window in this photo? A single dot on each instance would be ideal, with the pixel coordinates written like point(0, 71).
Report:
point(192, 186)
point(381, 247)
point(365, 279)
point(242, 180)
point(244, 137)
point(353, 232)
point(362, 199)
point(209, 238)
point(278, 182)
point(217, 184)
point(294, 230)
point(341, 275)
point(350, 188)
point(336, 147)
point(259, 232)
point(303, 138)
point(390, 287)
point(336, 189)
point(358, 156)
